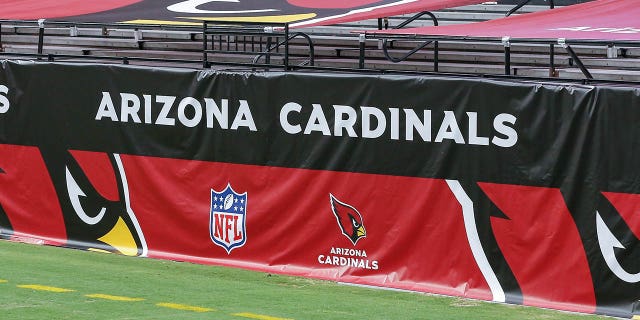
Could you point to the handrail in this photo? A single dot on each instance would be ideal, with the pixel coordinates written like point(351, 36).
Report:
point(385, 46)
point(311, 60)
point(385, 49)
point(416, 17)
point(524, 3)
point(506, 41)
point(586, 81)
point(416, 37)
point(268, 30)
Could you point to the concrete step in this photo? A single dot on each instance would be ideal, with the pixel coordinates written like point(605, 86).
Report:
point(455, 56)
point(33, 49)
point(108, 32)
point(173, 45)
point(574, 73)
point(75, 41)
point(617, 63)
point(466, 68)
point(155, 54)
point(630, 52)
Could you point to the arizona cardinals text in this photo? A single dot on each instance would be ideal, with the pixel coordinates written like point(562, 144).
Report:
point(4, 101)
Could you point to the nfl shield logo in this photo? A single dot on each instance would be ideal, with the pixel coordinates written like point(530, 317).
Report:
point(228, 216)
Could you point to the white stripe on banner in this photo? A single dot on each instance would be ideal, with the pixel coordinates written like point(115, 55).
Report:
point(125, 188)
point(474, 240)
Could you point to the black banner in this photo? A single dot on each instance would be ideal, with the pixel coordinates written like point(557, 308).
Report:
point(523, 153)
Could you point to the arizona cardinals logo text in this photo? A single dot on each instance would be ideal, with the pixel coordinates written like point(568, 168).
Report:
point(227, 226)
point(353, 258)
point(4, 101)
point(349, 219)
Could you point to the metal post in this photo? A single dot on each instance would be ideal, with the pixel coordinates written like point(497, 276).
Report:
point(612, 51)
point(286, 47)
point(552, 63)
point(517, 7)
point(435, 56)
point(362, 40)
point(267, 56)
point(40, 36)
point(205, 63)
point(575, 57)
point(552, 51)
point(507, 55)
point(582, 67)
point(137, 34)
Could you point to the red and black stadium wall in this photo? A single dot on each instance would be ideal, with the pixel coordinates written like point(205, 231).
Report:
point(514, 192)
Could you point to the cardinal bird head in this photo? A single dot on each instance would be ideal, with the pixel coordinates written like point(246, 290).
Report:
point(95, 208)
point(349, 219)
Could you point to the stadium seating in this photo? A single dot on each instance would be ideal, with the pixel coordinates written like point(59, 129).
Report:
point(334, 47)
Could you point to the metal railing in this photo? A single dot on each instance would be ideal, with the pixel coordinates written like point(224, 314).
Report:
point(310, 61)
point(256, 40)
point(386, 43)
point(259, 40)
point(224, 37)
point(507, 42)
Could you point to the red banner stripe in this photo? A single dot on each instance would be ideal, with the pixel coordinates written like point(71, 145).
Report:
point(541, 244)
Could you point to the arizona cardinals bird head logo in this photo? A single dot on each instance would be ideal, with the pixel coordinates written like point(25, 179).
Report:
point(349, 219)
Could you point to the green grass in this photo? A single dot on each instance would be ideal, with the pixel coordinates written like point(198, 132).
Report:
point(225, 290)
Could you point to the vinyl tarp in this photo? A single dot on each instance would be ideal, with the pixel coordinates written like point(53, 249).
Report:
point(193, 11)
point(596, 20)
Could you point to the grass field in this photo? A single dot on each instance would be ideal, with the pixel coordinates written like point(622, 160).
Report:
point(38, 282)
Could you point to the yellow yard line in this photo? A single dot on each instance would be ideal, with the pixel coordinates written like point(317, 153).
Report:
point(3, 281)
point(183, 307)
point(98, 250)
point(110, 297)
point(43, 288)
point(257, 316)
point(636, 317)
